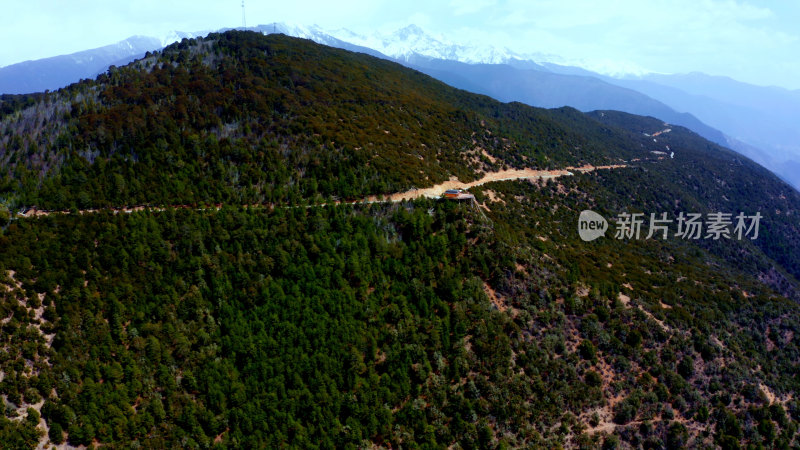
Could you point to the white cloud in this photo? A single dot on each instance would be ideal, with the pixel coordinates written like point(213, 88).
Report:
point(461, 7)
point(716, 36)
point(739, 38)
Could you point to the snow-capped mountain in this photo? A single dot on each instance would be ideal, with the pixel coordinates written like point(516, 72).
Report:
point(404, 44)
point(313, 32)
point(412, 41)
point(177, 36)
point(59, 71)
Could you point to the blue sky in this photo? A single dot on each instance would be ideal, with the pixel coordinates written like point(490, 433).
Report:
point(756, 42)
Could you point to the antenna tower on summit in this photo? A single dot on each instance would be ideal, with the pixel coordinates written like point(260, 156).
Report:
point(244, 21)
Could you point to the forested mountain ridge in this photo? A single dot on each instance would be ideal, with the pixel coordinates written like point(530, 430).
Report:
point(413, 324)
point(278, 118)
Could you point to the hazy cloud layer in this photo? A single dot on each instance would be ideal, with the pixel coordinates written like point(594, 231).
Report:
point(757, 42)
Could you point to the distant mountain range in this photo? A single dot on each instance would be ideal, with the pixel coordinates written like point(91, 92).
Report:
point(759, 122)
point(60, 71)
point(765, 118)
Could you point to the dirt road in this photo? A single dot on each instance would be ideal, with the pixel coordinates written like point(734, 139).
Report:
point(430, 192)
point(503, 175)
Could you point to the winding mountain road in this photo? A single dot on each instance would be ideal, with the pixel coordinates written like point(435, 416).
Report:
point(435, 191)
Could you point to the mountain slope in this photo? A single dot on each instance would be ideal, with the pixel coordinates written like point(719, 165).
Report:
point(425, 323)
point(762, 117)
point(220, 102)
point(485, 70)
point(528, 82)
point(59, 71)
point(548, 90)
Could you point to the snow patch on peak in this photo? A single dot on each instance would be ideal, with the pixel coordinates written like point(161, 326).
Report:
point(177, 36)
point(411, 41)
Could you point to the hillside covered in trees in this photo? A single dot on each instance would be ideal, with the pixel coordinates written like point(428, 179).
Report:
point(242, 307)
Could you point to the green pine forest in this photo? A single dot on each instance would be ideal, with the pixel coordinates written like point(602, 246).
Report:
point(284, 320)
